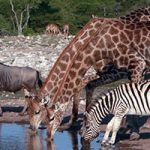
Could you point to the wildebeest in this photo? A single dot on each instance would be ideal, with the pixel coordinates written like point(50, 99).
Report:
point(14, 78)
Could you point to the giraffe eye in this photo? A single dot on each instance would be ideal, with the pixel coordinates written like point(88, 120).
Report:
point(51, 119)
point(37, 112)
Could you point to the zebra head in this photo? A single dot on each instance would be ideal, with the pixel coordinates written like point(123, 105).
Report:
point(89, 130)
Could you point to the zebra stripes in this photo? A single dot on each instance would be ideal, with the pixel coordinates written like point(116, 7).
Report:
point(126, 99)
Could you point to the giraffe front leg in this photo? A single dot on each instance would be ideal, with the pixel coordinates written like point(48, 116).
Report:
point(116, 126)
point(108, 130)
point(74, 115)
point(137, 70)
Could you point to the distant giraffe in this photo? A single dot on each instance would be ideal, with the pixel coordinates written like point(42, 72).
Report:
point(66, 30)
point(102, 41)
point(52, 29)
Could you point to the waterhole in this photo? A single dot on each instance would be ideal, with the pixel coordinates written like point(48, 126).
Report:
point(18, 137)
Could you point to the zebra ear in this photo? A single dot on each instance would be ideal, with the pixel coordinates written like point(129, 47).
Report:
point(87, 115)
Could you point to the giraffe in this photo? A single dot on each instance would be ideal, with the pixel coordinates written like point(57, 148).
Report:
point(116, 74)
point(56, 74)
point(111, 73)
point(66, 30)
point(52, 29)
point(102, 41)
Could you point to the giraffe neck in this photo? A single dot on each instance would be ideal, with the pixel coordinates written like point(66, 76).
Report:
point(58, 71)
point(63, 63)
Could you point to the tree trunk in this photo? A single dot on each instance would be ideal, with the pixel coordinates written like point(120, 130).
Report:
point(19, 31)
point(23, 22)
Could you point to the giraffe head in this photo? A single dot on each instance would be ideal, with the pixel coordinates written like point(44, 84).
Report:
point(54, 117)
point(36, 111)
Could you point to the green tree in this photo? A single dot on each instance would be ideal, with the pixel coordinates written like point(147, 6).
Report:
point(19, 12)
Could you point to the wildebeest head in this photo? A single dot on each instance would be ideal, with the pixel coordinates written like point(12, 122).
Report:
point(36, 111)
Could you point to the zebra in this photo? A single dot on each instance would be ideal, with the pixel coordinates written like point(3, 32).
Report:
point(126, 99)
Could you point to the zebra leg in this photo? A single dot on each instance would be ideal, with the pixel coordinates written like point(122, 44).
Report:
point(108, 130)
point(116, 126)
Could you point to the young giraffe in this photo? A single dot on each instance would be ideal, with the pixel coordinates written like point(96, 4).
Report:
point(122, 43)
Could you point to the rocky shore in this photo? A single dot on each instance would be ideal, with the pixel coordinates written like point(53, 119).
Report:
point(39, 52)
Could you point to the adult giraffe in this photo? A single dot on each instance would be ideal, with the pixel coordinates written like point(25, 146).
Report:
point(122, 43)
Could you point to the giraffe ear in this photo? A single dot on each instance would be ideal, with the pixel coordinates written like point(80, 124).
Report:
point(60, 106)
point(45, 101)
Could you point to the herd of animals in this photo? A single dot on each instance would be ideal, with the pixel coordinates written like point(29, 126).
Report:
point(54, 29)
point(116, 48)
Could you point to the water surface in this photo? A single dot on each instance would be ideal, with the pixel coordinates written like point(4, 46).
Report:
point(18, 137)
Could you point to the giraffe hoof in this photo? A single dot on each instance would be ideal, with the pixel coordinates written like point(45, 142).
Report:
point(134, 136)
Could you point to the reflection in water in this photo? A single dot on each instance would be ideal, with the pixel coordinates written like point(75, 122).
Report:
point(51, 146)
point(74, 139)
point(18, 137)
point(34, 143)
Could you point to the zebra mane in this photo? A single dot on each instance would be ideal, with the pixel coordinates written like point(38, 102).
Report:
point(94, 100)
